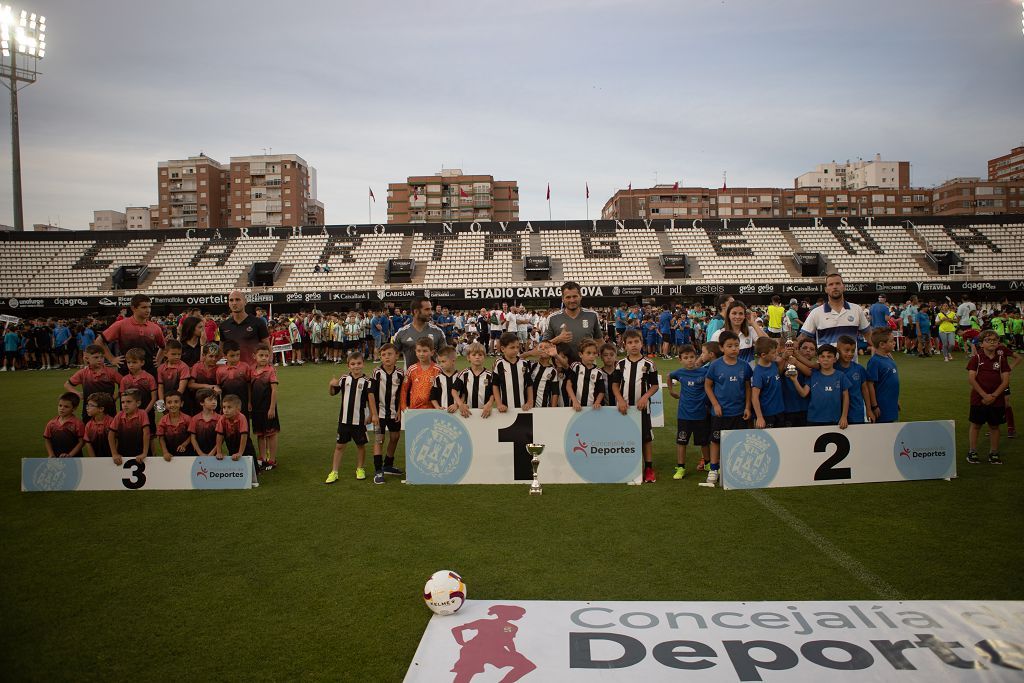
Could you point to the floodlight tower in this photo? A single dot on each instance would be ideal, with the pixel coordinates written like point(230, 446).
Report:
point(22, 44)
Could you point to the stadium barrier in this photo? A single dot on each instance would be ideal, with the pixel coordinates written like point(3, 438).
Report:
point(589, 447)
point(525, 292)
point(152, 474)
point(813, 456)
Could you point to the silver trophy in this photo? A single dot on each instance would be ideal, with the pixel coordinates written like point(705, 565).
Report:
point(790, 370)
point(535, 449)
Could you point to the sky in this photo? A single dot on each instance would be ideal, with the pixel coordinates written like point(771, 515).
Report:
point(567, 92)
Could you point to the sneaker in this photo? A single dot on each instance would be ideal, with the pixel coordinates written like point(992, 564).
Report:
point(680, 472)
point(713, 477)
point(702, 465)
point(649, 476)
point(1010, 433)
point(269, 465)
point(360, 473)
point(393, 470)
point(378, 477)
point(332, 477)
point(994, 459)
point(973, 458)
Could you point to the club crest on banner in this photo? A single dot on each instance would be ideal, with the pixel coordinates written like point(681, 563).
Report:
point(754, 461)
point(441, 448)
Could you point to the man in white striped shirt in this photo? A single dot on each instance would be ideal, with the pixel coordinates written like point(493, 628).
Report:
point(387, 385)
point(356, 398)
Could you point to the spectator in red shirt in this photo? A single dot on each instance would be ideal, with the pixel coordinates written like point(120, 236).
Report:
point(988, 373)
point(63, 434)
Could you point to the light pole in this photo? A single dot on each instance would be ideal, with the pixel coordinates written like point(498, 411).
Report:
point(23, 35)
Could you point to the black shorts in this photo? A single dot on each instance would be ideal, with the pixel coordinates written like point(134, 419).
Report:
point(993, 416)
point(722, 424)
point(646, 433)
point(774, 421)
point(910, 333)
point(795, 419)
point(389, 425)
point(774, 335)
point(353, 433)
point(698, 430)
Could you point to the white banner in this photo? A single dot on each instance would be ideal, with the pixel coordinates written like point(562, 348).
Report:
point(153, 473)
point(592, 446)
point(811, 456)
point(486, 641)
point(658, 406)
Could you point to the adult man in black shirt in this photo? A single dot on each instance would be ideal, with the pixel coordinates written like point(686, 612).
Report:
point(247, 330)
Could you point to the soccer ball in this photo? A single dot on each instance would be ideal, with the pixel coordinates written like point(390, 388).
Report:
point(444, 592)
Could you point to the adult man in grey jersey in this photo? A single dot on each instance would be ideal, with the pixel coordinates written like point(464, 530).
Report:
point(573, 322)
point(421, 326)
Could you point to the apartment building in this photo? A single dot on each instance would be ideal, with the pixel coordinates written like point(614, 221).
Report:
point(1007, 167)
point(271, 189)
point(108, 219)
point(137, 217)
point(192, 193)
point(857, 175)
point(974, 197)
point(452, 195)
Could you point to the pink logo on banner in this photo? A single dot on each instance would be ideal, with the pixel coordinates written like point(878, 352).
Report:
point(493, 644)
point(581, 446)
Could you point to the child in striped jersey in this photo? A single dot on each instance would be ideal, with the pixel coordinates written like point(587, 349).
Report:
point(545, 378)
point(635, 381)
point(386, 386)
point(443, 388)
point(356, 397)
point(584, 381)
point(512, 385)
point(473, 385)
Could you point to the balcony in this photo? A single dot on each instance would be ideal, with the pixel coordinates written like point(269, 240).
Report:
point(257, 169)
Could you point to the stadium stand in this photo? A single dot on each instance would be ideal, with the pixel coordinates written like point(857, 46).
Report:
point(492, 256)
point(861, 253)
point(989, 251)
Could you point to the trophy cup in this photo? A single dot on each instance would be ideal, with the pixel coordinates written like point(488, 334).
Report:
point(535, 449)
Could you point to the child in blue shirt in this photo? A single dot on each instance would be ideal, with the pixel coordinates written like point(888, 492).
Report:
point(12, 340)
point(828, 390)
point(651, 337)
point(855, 372)
point(882, 379)
point(795, 404)
point(765, 385)
point(692, 416)
point(728, 389)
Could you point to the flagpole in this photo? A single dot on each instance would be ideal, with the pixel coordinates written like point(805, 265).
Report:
point(369, 210)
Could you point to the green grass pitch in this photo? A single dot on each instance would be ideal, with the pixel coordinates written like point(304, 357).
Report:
point(297, 580)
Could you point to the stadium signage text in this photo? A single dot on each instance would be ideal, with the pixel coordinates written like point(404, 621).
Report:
point(500, 293)
point(726, 641)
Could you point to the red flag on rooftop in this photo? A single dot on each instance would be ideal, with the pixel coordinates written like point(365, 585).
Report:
point(587, 185)
point(676, 186)
point(549, 192)
point(371, 195)
point(630, 188)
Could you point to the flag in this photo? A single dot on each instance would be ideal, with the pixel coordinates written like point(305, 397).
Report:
point(630, 188)
point(676, 186)
point(587, 185)
point(372, 197)
point(549, 192)
point(462, 193)
point(416, 193)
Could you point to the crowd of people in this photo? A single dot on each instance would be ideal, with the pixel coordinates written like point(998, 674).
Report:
point(200, 383)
